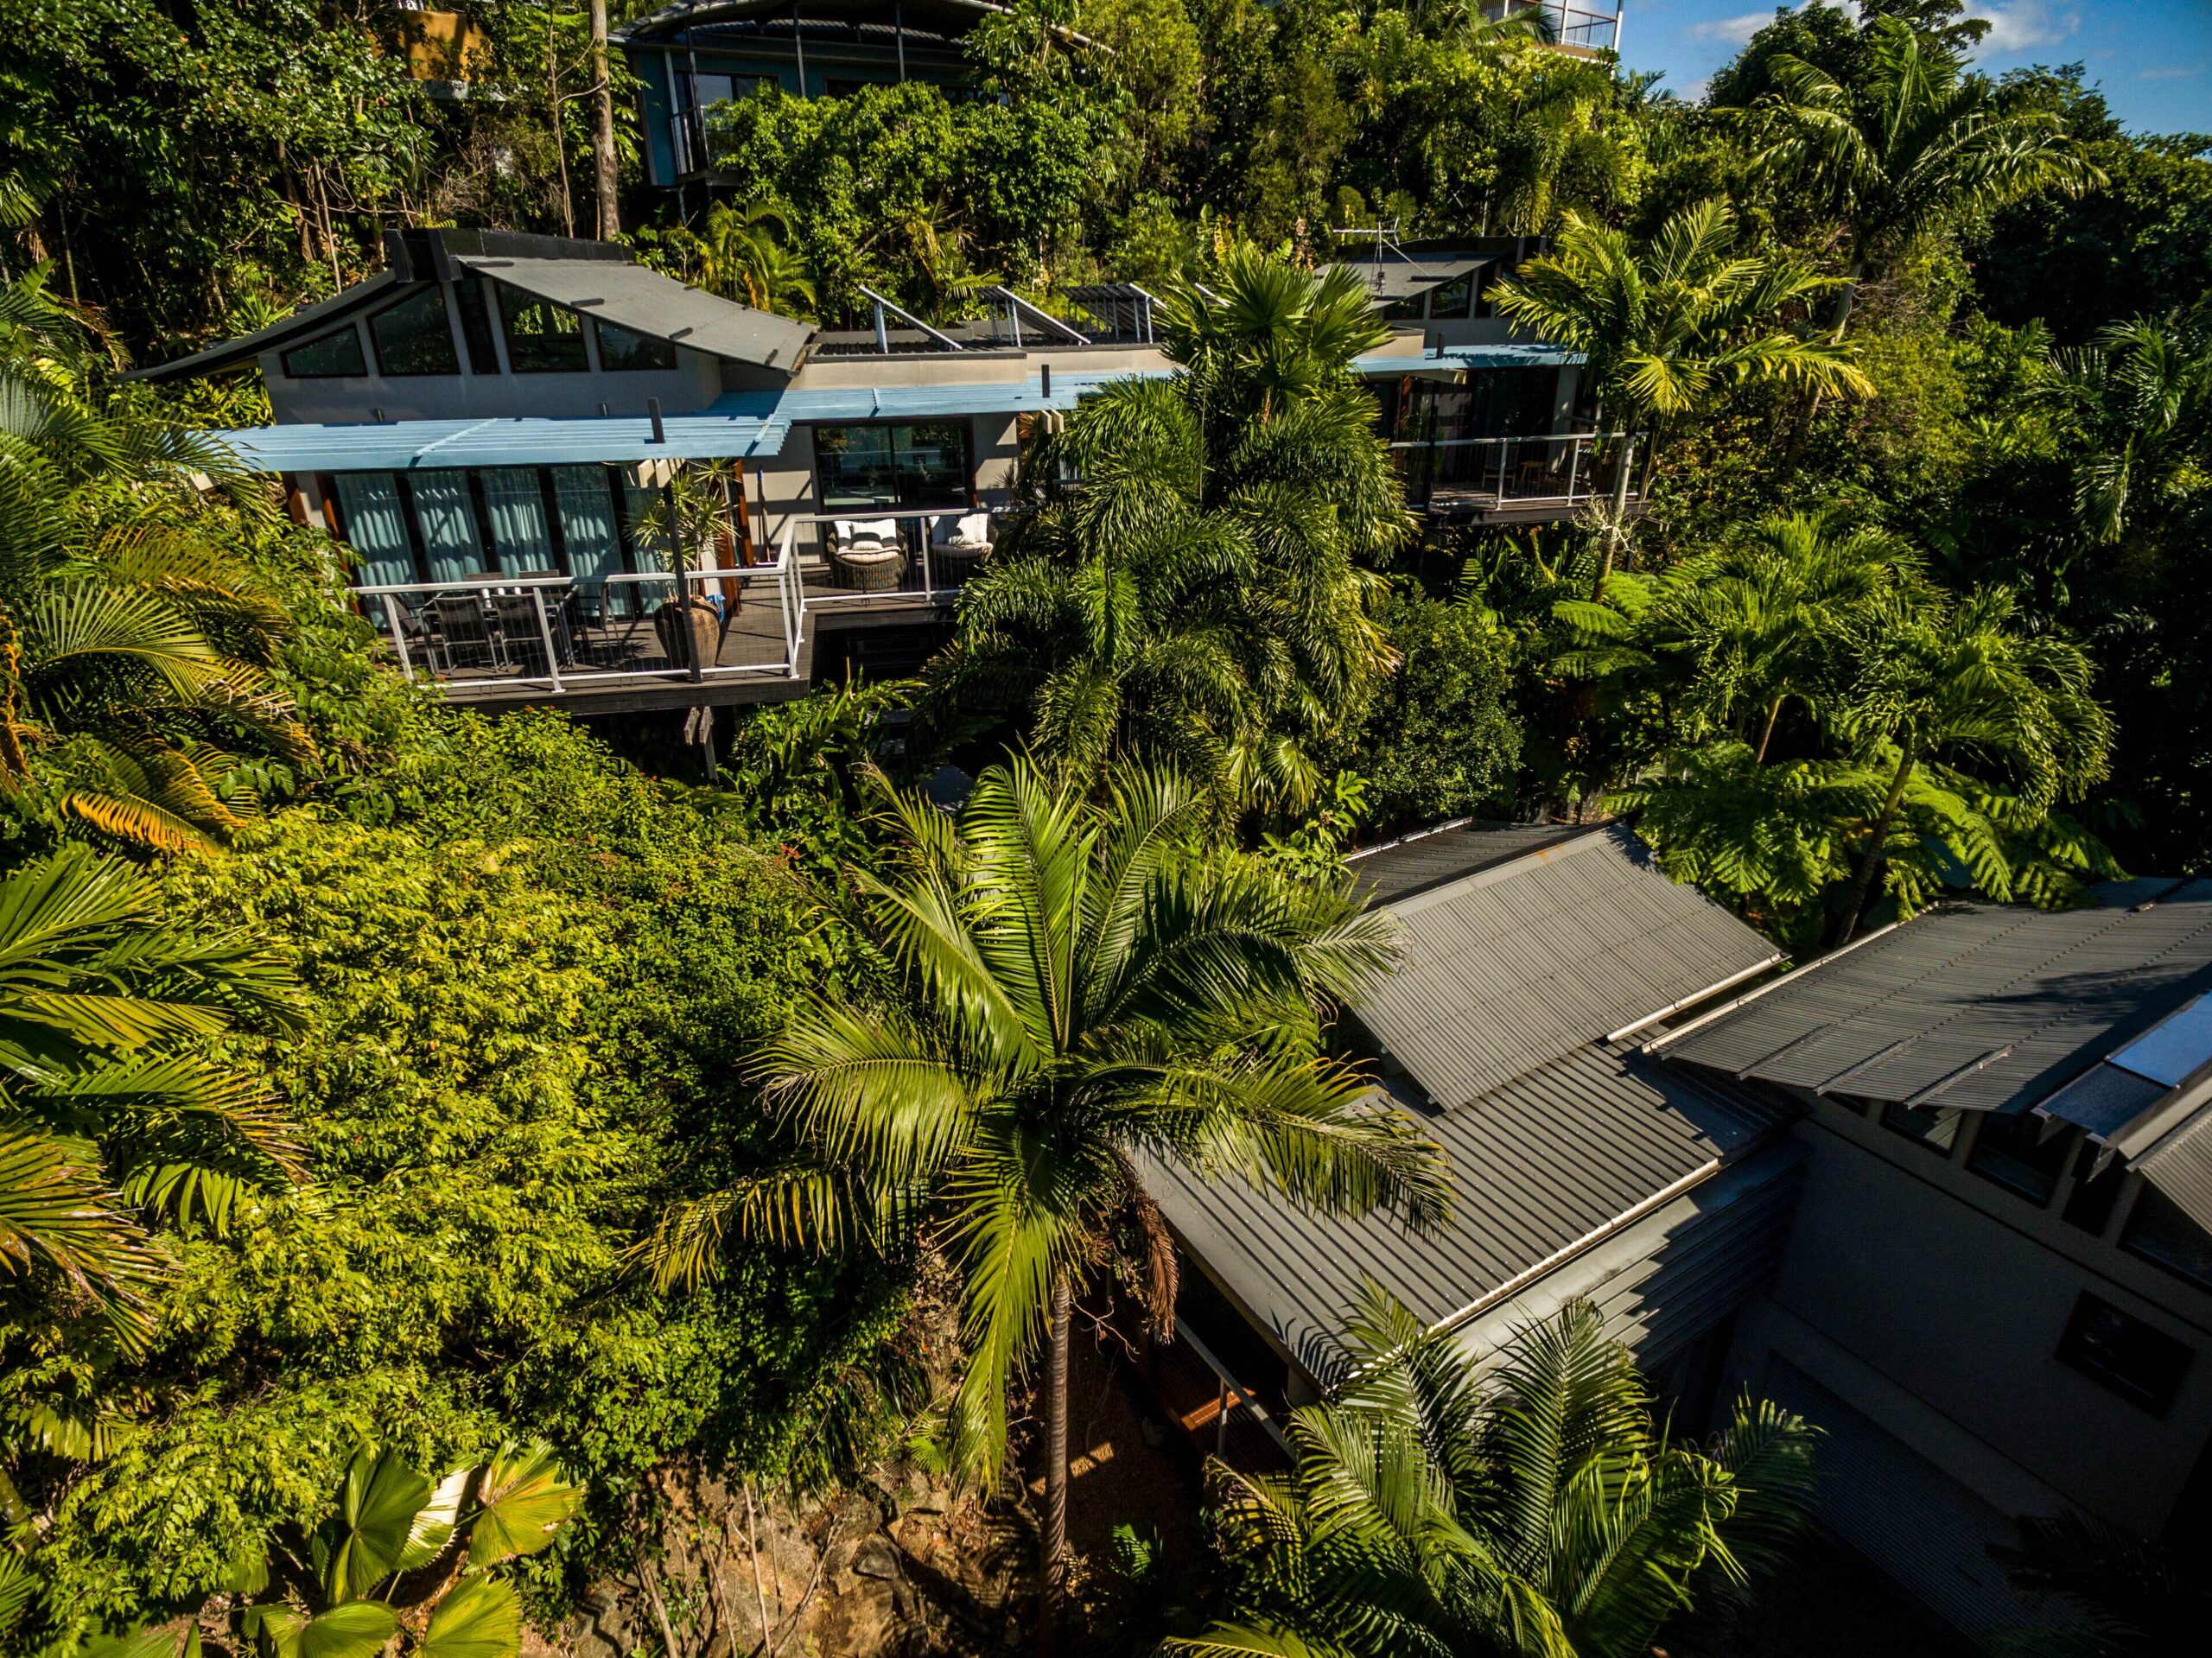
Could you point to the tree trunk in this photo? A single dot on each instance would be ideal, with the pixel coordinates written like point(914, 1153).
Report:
point(1863, 883)
point(602, 135)
point(1616, 532)
point(560, 138)
point(1766, 736)
point(1052, 1607)
point(1841, 323)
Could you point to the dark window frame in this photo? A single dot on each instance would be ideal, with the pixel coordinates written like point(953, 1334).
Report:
point(1995, 1163)
point(2105, 1343)
point(512, 298)
point(901, 499)
point(477, 330)
point(2148, 1202)
point(351, 328)
point(601, 327)
point(433, 294)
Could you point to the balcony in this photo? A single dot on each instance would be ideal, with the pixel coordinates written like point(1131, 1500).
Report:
point(1515, 479)
point(1102, 313)
point(1567, 26)
point(711, 634)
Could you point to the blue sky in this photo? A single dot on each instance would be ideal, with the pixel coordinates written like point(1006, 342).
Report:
point(2153, 58)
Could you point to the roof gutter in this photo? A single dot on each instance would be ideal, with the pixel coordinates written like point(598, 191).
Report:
point(1695, 997)
point(1726, 1008)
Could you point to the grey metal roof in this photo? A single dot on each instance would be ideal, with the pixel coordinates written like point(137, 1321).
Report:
point(2179, 1162)
point(1384, 873)
point(1971, 1005)
point(306, 321)
point(647, 302)
point(1542, 1167)
point(1397, 276)
point(1509, 967)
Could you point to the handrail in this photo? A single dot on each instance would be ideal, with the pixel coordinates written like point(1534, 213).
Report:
point(1228, 1384)
point(1538, 437)
point(882, 339)
point(610, 578)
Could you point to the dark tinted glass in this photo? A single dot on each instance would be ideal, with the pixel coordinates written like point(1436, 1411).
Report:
point(2089, 1205)
point(2140, 1364)
point(1931, 1125)
point(2014, 1153)
point(2160, 1232)
point(332, 356)
point(414, 337)
point(476, 327)
point(1455, 298)
point(542, 338)
point(620, 350)
point(922, 465)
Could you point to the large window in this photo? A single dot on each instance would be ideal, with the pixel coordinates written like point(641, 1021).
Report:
point(413, 337)
point(542, 338)
point(445, 514)
point(923, 465)
point(2018, 1154)
point(334, 356)
point(373, 519)
point(1929, 1126)
point(620, 351)
point(454, 525)
point(2142, 1365)
point(588, 533)
point(476, 326)
point(2160, 1232)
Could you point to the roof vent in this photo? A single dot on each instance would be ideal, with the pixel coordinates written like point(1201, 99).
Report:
point(2169, 1051)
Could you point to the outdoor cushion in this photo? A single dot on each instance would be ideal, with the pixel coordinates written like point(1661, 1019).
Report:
point(880, 530)
point(869, 557)
point(974, 527)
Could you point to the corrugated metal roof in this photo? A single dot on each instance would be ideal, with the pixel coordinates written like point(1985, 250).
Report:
point(1971, 1005)
point(414, 445)
point(949, 402)
point(2180, 1164)
point(1510, 968)
point(647, 302)
point(1543, 1166)
point(1384, 873)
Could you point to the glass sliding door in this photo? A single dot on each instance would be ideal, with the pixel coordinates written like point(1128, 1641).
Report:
point(585, 498)
point(452, 543)
point(926, 464)
point(516, 506)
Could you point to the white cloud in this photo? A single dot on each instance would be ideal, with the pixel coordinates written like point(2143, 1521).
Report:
point(2023, 25)
point(2171, 72)
point(1734, 31)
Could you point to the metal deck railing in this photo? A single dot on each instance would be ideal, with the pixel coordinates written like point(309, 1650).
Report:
point(1565, 468)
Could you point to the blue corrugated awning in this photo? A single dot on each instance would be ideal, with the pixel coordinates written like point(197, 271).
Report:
point(1456, 358)
point(424, 445)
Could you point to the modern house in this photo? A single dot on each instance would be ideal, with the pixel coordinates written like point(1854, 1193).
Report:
point(695, 55)
point(1997, 1294)
point(495, 424)
point(1534, 961)
point(1946, 1194)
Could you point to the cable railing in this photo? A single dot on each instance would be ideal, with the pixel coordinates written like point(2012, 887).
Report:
point(1562, 468)
point(548, 633)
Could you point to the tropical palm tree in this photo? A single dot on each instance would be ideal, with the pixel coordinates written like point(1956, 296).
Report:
point(743, 256)
point(1540, 1513)
point(1944, 684)
point(1736, 633)
point(1667, 326)
point(134, 642)
point(2142, 393)
point(1192, 579)
point(105, 1112)
point(2105, 1592)
point(1102, 991)
point(1919, 146)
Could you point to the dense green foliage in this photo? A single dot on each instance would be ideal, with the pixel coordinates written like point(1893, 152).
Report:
point(1538, 1511)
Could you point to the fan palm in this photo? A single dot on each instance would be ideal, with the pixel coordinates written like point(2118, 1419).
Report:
point(1665, 326)
point(131, 637)
point(1959, 682)
point(1917, 146)
point(1540, 1512)
point(104, 1108)
point(1101, 991)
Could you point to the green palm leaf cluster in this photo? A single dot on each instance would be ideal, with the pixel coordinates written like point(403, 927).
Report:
point(1100, 993)
point(1919, 146)
point(1539, 1512)
point(1940, 736)
point(1192, 583)
point(135, 645)
point(106, 1110)
point(2142, 393)
point(1669, 325)
point(400, 1556)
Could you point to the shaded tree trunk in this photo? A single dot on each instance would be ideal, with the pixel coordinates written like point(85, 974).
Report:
point(1051, 1611)
point(1766, 732)
point(1616, 532)
point(1863, 883)
point(607, 178)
